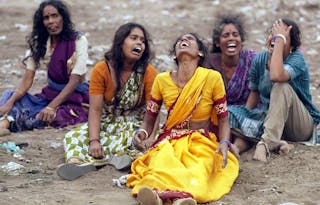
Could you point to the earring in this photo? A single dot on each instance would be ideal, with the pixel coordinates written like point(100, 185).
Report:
point(175, 58)
point(200, 54)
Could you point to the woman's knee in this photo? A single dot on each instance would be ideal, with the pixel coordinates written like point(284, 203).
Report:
point(281, 87)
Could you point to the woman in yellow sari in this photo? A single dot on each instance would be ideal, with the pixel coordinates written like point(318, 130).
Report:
point(187, 163)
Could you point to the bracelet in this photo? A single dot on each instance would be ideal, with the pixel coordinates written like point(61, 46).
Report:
point(281, 36)
point(94, 139)
point(226, 141)
point(142, 130)
point(50, 108)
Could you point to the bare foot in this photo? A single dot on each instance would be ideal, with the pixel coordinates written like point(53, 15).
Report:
point(4, 132)
point(241, 144)
point(74, 160)
point(4, 123)
point(147, 196)
point(260, 153)
point(285, 148)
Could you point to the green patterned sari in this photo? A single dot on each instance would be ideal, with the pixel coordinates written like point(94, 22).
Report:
point(116, 128)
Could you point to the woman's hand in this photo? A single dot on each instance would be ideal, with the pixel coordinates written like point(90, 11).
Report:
point(280, 28)
point(96, 150)
point(223, 149)
point(139, 140)
point(47, 114)
point(5, 109)
point(148, 142)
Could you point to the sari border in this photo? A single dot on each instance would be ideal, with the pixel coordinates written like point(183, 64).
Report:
point(170, 194)
point(178, 133)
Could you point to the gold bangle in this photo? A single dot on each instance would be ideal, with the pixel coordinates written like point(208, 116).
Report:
point(50, 108)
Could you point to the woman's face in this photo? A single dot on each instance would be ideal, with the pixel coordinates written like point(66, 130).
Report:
point(230, 40)
point(133, 46)
point(187, 44)
point(52, 20)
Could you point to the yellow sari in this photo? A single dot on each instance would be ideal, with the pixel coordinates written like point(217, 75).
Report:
point(186, 164)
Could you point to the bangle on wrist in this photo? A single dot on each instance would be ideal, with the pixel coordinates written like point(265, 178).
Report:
point(226, 141)
point(94, 139)
point(50, 108)
point(142, 130)
point(281, 36)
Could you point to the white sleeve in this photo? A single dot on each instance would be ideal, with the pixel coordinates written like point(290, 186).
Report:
point(80, 67)
point(30, 64)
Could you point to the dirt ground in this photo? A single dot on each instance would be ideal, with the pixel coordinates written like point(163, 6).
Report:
point(293, 178)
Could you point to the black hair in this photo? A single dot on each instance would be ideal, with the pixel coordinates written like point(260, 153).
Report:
point(201, 45)
point(37, 40)
point(295, 34)
point(222, 20)
point(115, 54)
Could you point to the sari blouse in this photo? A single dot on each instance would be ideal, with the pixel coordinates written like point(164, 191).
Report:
point(101, 82)
point(238, 86)
point(212, 95)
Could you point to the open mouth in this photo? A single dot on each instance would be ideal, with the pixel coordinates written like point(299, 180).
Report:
point(184, 44)
point(137, 49)
point(231, 46)
point(52, 29)
point(272, 44)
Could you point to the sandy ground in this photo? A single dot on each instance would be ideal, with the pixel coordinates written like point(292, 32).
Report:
point(292, 178)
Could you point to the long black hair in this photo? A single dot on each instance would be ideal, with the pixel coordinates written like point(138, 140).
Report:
point(37, 40)
point(115, 54)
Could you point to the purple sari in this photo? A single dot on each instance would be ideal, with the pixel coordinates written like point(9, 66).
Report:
point(238, 87)
point(70, 112)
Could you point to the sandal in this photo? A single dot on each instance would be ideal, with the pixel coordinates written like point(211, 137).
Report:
point(185, 201)
point(71, 171)
point(120, 162)
point(147, 196)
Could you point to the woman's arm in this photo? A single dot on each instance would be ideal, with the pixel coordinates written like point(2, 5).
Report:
point(280, 51)
point(48, 113)
point(145, 135)
point(95, 112)
point(155, 128)
point(24, 86)
point(253, 99)
point(224, 138)
point(70, 87)
point(277, 71)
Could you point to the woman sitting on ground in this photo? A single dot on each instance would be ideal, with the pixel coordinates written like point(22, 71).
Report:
point(187, 163)
point(64, 101)
point(119, 89)
point(229, 58)
point(279, 79)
